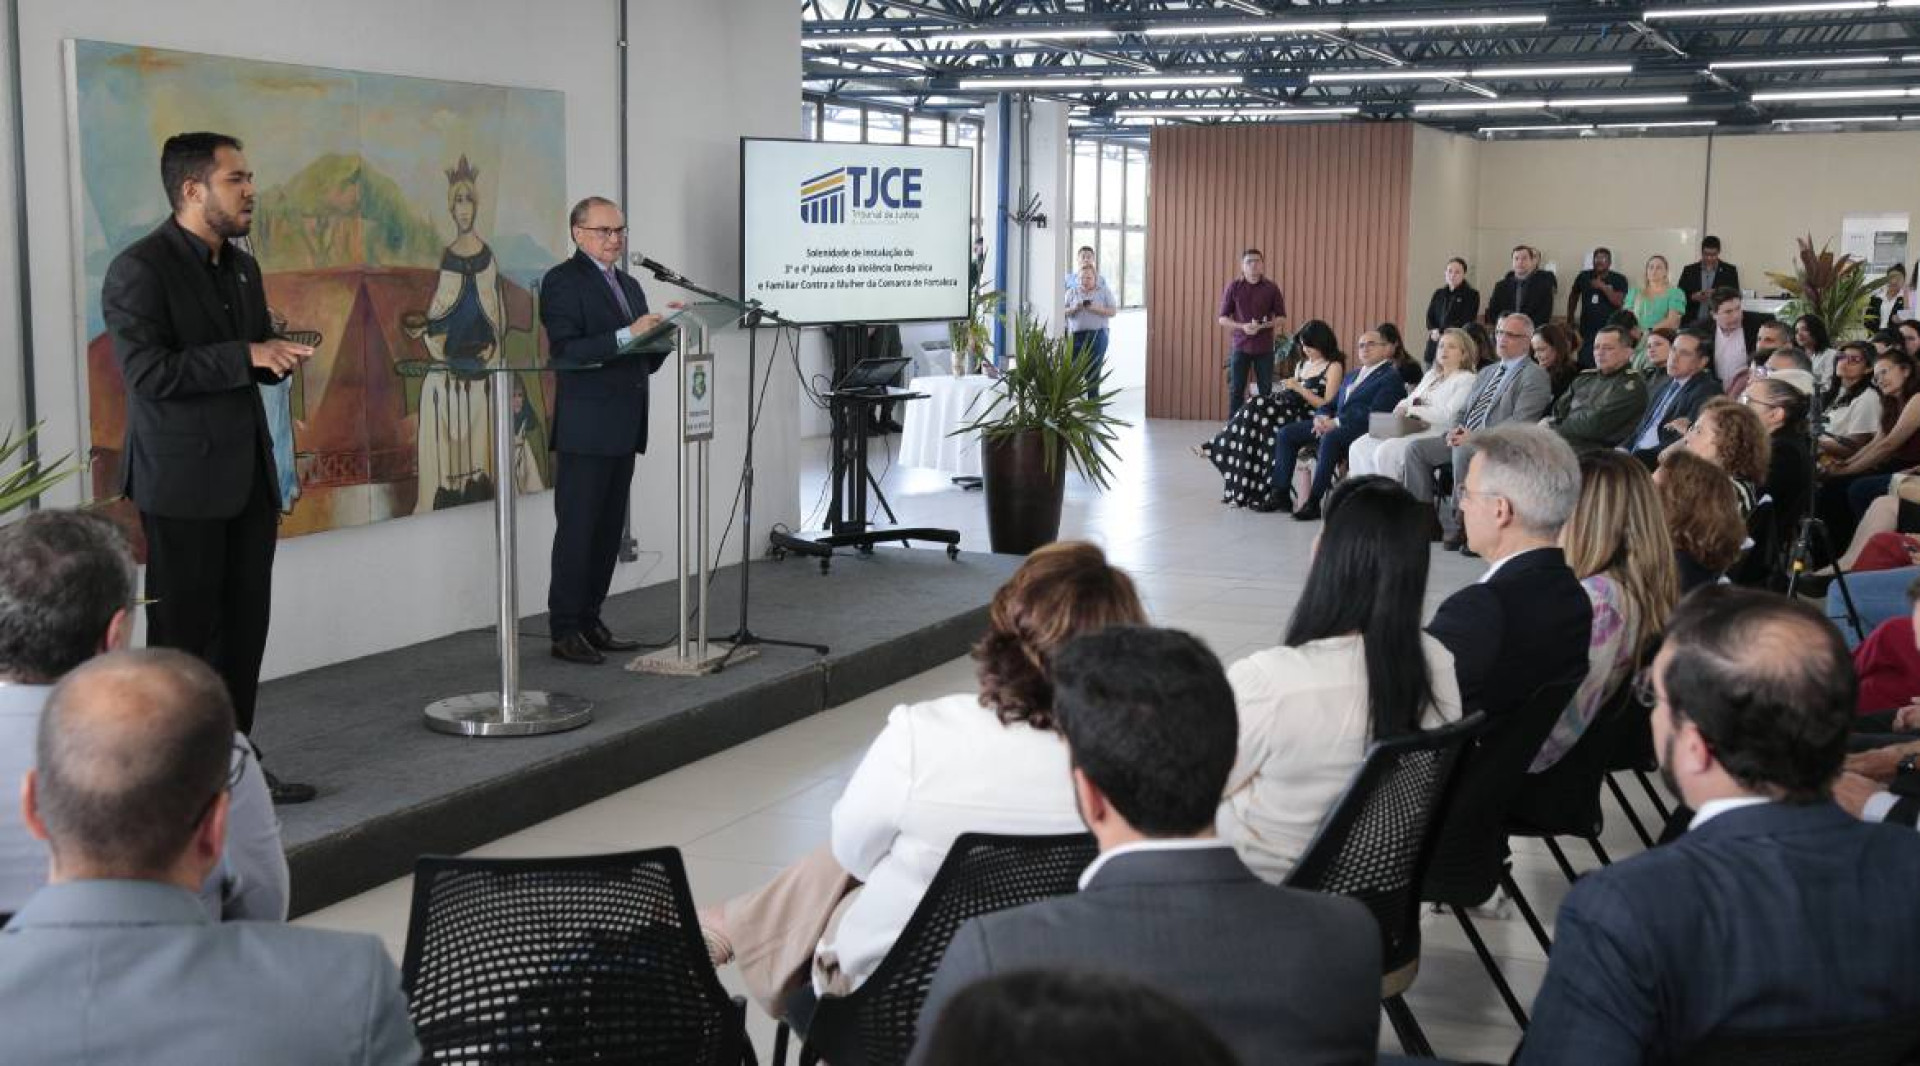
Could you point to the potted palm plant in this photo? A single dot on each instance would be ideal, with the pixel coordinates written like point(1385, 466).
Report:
point(970, 337)
point(1834, 287)
point(24, 483)
point(1048, 411)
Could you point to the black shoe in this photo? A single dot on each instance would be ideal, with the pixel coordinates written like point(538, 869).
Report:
point(1468, 552)
point(1309, 513)
point(598, 636)
point(1272, 502)
point(287, 792)
point(574, 648)
point(1453, 544)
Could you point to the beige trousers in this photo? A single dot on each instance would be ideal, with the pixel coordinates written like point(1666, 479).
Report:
point(776, 929)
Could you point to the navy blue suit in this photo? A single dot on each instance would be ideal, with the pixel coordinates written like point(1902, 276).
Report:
point(1353, 410)
point(599, 425)
point(1767, 917)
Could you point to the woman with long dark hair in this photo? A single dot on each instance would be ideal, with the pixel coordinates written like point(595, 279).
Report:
point(1854, 407)
point(1408, 367)
point(1810, 335)
point(1354, 667)
point(1309, 383)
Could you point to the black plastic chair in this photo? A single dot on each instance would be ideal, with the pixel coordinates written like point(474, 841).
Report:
point(1470, 860)
point(1374, 847)
point(1564, 799)
point(595, 958)
point(1893, 1042)
point(983, 873)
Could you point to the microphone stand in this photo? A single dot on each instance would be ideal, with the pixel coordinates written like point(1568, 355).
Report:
point(1810, 522)
point(751, 320)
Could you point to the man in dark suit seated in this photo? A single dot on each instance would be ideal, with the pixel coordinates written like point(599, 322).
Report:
point(1525, 623)
point(1775, 911)
point(591, 308)
point(1673, 406)
point(1373, 387)
point(1282, 975)
point(115, 960)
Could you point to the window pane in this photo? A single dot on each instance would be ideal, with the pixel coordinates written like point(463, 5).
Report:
point(1110, 158)
point(1133, 286)
point(807, 112)
point(842, 125)
point(1136, 188)
point(923, 130)
point(885, 127)
point(1109, 245)
point(1086, 190)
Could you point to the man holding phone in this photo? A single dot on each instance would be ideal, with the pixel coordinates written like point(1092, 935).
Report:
point(1089, 305)
point(1252, 307)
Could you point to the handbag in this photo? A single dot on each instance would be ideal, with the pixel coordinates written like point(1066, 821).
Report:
point(1386, 425)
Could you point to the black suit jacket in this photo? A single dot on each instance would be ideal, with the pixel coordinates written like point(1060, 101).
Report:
point(1280, 974)
point(1693, 395)
point(1526, 626)
point(196, 428)
point(1727, 276)
point(1767, 917)
point(1536, 302)
point(602, 411)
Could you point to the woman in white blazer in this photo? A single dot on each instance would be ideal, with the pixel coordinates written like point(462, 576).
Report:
point(986, 762)
point(1437, 402)
point(1353, 668)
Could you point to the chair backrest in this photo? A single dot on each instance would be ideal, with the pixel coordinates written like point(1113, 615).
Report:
point(564, 960)
point(982, 873)
point(1375, 842)
point(1891, 1042)
point(1471, 852)
point(1565, 797)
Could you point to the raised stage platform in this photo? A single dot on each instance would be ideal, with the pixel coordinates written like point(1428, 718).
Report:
point(390, 790)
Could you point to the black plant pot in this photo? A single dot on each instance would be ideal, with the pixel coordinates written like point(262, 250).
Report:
point(1023, 497)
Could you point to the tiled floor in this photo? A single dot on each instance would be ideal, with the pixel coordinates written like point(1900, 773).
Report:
point(1229, 576)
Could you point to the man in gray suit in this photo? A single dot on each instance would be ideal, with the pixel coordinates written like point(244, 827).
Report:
point(1282, 975)
point(67, 587)
point(115, 961)
point(1512, 389)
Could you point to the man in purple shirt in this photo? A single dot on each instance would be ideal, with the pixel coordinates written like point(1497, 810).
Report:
point(1252, 307)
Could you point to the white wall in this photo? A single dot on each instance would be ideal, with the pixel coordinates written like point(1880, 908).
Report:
point(352, 592)
point(1446, 175)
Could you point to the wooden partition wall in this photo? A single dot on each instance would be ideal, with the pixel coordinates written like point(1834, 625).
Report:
point(1328, 204)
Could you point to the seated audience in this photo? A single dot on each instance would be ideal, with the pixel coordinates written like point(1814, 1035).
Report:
point(1650, 359)
point(67, 594)
point(1853, 483)
point(1604, 403)
point(1888, 663)
point(1810, 335)
point(991, 762)
point(1513, 389)
point(1893, 302)
point(1732, 337)
point(1411, 370)
point(1310, 381)
point(1673, 406)
point(1373, 387)
point(1353, 668)
point(1703, 517)
point(1909, 331)
point(116, 959)
point(1439, 399)
point(1732, 437)
point(1789, 481)
point(1769, 338)
point(1617, 545)
point(1887, 340)
point(1882, 784)
point(1527, 622)
point(1853, 406)
point(1067, 1018)
point(1775, 910)
point(1283, 975)
point(1557, 351)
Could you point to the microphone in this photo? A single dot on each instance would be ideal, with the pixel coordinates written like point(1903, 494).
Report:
point(657, 270)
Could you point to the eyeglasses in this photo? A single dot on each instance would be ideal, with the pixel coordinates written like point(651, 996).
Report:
point(1750, 399)
point(1850, 357)
point(240, 751)
point(1515, 334)
point(1466, 492)
point(605, 233)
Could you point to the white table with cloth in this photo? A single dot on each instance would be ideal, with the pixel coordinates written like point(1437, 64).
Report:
point(951, 403)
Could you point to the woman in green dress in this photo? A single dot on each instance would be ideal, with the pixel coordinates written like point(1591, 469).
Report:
point(1656, 302)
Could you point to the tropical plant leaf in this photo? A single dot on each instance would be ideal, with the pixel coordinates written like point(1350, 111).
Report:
point(1044, 388)
point(31, 478)
point(1834, 287)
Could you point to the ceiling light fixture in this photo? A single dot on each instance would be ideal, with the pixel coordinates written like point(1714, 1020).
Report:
point(1255, 29)
point(1236, 112)
point(1743, 10)
point(1697, 122)
point(1480, 105)
point(1783, 64)
point(1147, 81)
point(1616, 101)
point(1842, 118)
point(1251, 29)
point(1550, 72)
point(1806, 95)
point(1397, 74)
point(1446, 23)
point(1028, 83)
point(1490, 130)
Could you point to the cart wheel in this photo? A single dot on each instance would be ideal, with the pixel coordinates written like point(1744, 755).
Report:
point(953, 551)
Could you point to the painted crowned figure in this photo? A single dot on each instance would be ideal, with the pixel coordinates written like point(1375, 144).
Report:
point(463, 327)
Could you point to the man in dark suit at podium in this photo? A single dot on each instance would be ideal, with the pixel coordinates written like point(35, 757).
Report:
point(188, 315)
point(590, 308)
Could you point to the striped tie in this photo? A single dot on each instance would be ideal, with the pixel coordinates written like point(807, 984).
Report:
point(1477, 414)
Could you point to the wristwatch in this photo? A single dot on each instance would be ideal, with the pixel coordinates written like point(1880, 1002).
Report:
point(1908, 764)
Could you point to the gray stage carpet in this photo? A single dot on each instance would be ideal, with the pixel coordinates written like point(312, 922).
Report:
point(390, 790)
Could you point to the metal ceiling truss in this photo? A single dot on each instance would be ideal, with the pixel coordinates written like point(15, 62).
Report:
point(1723, 69)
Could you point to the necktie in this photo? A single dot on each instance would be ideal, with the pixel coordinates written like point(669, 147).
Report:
point(1655, 415)
point(1477, 414)
point(613, 282)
